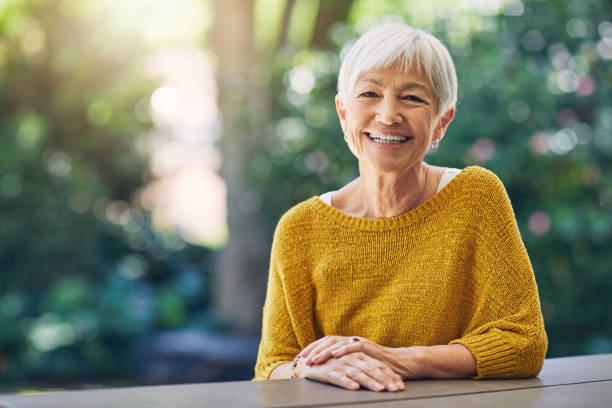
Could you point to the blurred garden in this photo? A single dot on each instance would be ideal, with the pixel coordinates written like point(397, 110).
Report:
point(148, 148)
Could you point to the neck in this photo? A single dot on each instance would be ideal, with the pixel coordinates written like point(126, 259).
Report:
point(383, 195)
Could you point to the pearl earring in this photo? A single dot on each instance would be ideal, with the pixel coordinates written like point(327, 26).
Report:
point(434, 144)
point(345, 137)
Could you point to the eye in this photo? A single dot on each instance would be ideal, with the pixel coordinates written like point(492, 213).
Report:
point(412, 98)
point(368, 94)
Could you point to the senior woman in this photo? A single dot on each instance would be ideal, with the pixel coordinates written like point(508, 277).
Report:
point(411, 270)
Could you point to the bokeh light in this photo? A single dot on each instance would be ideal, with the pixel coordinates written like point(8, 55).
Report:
point(483, 149)
point(110, 166)
point(539, 223)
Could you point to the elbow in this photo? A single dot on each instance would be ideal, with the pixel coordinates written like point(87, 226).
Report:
point(531, 356)
point(536, 354)
point(521, 357)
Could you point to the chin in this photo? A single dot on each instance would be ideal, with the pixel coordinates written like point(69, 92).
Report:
point(386, 167)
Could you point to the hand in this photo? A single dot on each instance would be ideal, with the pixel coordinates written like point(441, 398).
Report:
point(353, 371)
point(321, 350)
point(403, 361)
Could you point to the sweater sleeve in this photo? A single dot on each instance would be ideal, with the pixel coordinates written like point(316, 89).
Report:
point(278, 341)
point(505, 332)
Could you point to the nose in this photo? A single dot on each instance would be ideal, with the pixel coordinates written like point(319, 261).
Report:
point(389, 113)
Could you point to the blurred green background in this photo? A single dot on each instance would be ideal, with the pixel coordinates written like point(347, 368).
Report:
point(147, 149)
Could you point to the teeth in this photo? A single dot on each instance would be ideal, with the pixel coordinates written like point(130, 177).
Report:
point(386, 139)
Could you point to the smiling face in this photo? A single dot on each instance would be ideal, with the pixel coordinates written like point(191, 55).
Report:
point(391, 118)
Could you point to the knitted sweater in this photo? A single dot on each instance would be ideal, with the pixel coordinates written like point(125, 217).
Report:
point(452, 270)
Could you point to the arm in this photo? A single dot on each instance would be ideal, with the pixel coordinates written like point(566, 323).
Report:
point(443, 361)
point(505, 330)
point(440, 361)
point(279, 344)
point(281, 372)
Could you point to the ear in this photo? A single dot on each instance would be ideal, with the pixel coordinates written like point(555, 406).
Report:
point(445, 120)
point(340, 108)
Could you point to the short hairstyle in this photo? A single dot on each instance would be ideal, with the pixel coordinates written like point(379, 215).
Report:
point(387, 44)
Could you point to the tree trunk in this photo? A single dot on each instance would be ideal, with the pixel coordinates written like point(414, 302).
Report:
point(330, 12)
point(284, 34)
point(241, 267)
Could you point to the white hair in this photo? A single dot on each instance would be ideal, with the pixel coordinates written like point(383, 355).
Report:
point(387, 44)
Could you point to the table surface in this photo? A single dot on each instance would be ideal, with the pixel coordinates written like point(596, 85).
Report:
point(584, 381)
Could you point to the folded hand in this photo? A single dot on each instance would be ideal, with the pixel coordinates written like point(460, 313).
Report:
point(397, 359)
point(353, 371)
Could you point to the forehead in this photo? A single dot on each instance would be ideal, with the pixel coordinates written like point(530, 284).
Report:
point(394, 76)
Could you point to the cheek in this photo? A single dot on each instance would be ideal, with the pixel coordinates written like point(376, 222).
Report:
point(430, 122)
point(358, 113)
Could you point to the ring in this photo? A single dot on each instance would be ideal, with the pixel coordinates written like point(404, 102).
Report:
point(355, 339)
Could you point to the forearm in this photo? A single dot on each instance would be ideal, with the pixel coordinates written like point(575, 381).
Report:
point(281, 372)
point(443, 361)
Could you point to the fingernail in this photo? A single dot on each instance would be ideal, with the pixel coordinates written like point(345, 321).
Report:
point(379, 387)
point(392, 387)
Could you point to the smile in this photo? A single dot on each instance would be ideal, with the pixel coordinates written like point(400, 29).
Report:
point(387, 139)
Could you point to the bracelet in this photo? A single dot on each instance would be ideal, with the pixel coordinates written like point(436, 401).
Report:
point(294, 364)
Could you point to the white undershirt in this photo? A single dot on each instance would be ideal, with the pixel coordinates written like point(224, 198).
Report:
point(447, 176)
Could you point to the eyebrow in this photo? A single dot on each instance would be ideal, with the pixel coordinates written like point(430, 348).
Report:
point(407, 85)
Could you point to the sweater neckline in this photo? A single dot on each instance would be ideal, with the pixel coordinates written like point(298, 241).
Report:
point(408, 217)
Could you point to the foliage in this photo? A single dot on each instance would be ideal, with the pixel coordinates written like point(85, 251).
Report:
point(534, 108)
point(85, 276)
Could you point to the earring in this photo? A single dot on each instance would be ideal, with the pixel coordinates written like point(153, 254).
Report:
point(345, 137)
point(434, 144)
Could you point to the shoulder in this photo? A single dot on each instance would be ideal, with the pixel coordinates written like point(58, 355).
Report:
point(298, 216)
point(481, 177)
point(483, 183)
point(297, 232)
point(481, 192)
point(296, 223)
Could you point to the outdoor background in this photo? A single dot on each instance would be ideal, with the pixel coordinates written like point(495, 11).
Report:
point(148, 148)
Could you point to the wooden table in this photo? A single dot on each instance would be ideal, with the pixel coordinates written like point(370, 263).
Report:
point(583, 382)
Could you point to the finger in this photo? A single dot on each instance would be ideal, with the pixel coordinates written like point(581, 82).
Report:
point(376, 369)
point(363, 379)
point(342, 380)
point(351, 348)
point(304, 353)
point(323, 355)
point(319, 356)
point(386, 369)
point(308, 349)
point(331, 375)
point(373, 350)
point(330, 344)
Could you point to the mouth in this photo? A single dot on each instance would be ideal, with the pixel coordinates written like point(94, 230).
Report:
point(387, 139)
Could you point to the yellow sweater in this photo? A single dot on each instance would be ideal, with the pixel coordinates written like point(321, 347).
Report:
point(452, 270)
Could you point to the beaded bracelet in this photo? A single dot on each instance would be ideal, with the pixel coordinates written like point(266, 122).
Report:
point(294, 365)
